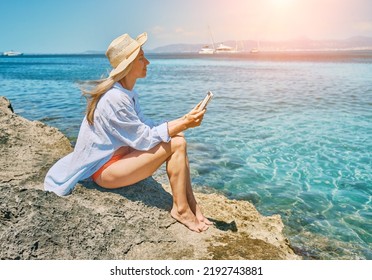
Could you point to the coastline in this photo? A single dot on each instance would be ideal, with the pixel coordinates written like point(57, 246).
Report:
point(128, 223)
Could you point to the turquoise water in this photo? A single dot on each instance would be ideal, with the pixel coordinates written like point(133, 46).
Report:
point(292, 133)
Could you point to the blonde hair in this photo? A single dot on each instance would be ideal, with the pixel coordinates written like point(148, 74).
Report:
point(94, 90)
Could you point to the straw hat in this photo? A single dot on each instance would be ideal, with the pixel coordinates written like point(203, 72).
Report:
point(123, 50)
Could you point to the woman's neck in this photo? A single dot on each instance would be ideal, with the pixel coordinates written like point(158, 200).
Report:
point(127, 83)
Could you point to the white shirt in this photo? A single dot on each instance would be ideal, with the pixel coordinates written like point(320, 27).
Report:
point(118, 121)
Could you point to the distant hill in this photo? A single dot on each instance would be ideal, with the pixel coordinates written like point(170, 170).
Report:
point(177, 48)
point(93, 52)
point(353, 43)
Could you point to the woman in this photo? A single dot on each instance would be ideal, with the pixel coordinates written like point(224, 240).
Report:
point(117, 146)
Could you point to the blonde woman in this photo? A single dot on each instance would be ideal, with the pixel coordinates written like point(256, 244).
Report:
point(117, 146)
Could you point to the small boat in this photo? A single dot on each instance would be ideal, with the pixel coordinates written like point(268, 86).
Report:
point(12, 53)
point(206, 50)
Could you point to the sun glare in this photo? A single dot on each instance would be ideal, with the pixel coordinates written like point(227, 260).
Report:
point(281, 3)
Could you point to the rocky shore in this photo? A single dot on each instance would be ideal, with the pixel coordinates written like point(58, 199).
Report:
point(129, 223)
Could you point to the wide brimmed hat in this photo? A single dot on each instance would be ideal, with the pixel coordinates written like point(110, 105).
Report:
point(123, 50)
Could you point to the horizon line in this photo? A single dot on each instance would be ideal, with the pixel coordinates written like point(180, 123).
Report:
point(98, 52)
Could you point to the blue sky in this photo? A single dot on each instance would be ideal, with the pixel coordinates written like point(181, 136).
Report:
point(66, 26)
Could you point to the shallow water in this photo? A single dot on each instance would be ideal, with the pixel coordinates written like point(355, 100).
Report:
point(290, 133)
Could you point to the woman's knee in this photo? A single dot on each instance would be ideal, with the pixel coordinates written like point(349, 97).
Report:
point(178, 143)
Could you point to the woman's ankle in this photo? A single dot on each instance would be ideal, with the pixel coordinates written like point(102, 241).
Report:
point(181, 209)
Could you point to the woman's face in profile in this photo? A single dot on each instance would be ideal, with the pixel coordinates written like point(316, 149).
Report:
point(139, 67)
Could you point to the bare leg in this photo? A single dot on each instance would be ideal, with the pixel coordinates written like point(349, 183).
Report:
point(138, 165)
point(179, 175)
point(191, 198)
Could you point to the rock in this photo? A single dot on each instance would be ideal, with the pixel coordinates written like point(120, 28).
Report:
point(127, 223)
point(27, 148)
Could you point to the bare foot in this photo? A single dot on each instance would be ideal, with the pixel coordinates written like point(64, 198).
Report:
point(188, 219)
point(201, 218)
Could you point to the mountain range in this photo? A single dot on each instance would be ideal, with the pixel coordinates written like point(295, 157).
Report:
point(301, 44)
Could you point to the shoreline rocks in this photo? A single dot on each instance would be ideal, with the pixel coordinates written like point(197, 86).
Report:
point(128, 223)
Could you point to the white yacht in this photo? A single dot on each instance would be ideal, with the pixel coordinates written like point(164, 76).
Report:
point(12, 53)
point(206, 50)
point(225, 49)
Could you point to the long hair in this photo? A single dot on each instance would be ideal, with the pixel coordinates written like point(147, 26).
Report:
point(94, 90)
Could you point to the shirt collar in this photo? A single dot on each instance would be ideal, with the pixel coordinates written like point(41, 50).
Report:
point(130, 93)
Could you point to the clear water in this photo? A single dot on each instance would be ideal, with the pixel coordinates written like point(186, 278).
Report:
point(290, 133)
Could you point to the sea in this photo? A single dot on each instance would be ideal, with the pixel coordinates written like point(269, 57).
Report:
point(290, 132)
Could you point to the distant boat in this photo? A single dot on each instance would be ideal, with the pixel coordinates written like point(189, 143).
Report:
point(225, 49)
point(220, 49)
point(206, 50)
point(12, 53)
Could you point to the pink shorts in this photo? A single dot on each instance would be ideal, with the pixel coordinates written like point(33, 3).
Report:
point(107, 164)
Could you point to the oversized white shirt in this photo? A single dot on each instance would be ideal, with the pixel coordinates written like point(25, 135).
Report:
point(118, 121)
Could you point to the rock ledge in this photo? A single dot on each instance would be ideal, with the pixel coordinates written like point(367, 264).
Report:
point(128, 223)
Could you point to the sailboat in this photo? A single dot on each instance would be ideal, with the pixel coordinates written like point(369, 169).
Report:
point(206, 49)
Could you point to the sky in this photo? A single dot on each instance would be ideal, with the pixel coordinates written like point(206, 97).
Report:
point(73, 26)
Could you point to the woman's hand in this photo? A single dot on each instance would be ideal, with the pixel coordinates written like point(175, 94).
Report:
point(192, 119)
point(195, 117)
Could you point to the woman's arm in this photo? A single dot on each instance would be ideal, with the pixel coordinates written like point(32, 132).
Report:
point(192, 119)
